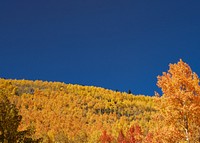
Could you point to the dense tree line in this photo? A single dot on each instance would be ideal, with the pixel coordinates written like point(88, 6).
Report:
point(58, 112)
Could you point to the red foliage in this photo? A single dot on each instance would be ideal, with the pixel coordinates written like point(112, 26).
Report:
point(121, 138)
point(133, 135)
point(105, 138)
point(138, 130)
point(149, 138)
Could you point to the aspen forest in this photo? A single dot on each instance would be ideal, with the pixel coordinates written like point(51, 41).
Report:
point(55, 112)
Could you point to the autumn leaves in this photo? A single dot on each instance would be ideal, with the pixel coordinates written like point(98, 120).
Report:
point(180, 106)
point(72, 113)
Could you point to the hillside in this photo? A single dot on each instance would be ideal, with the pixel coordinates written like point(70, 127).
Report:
point(62, 112)
point(48, 112)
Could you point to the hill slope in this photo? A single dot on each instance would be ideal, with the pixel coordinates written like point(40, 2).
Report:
point(75, 113)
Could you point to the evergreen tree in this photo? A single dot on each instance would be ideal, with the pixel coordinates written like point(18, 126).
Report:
point(9, 122)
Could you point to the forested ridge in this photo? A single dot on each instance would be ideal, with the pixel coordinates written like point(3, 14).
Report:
point(59, 112)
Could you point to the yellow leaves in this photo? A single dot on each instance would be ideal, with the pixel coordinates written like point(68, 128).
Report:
point(180, 88)
point(59, 110)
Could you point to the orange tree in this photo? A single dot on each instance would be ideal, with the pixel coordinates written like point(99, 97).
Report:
point(180, 106)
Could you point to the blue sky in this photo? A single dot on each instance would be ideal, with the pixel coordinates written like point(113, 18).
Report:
point(113, 44)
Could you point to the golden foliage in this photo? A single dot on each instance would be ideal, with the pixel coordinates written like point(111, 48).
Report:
point(180, 104)
point(75, 113)
point(62, 112)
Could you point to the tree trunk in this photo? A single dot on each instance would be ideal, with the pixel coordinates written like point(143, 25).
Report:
point(186, 129)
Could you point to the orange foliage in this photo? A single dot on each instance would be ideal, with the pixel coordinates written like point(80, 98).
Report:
point(180, 103)
point(133, 135)
point(105, 138)
point(75, 113)
point(62, 112)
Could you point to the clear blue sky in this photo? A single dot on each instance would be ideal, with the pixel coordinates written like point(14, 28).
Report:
point(115, 44)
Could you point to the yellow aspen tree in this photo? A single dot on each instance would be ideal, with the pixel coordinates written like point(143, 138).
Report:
point(180, 105)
